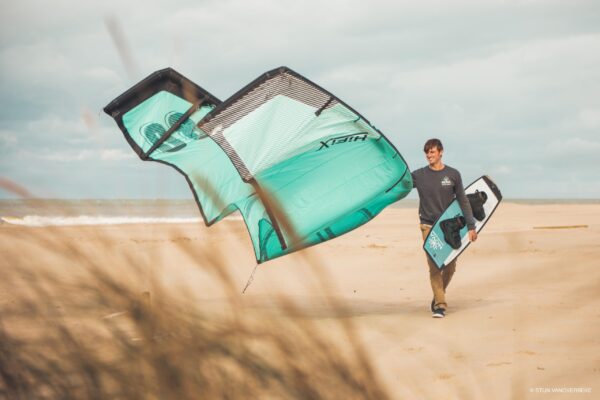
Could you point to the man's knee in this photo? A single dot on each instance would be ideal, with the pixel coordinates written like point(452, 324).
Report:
point(434, 270)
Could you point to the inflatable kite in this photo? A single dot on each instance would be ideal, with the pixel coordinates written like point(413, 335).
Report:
point(301, 166)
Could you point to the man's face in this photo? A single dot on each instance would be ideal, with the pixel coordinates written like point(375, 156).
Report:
point(434, 155)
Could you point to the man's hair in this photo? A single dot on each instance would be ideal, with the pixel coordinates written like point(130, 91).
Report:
point(431, 143)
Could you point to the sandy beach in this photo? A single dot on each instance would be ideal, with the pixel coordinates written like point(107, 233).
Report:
point(524, 304)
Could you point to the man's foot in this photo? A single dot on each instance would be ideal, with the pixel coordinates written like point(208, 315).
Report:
point(433, 305)
point(439, 313)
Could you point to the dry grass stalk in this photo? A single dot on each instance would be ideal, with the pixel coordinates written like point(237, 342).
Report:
point(93, 334)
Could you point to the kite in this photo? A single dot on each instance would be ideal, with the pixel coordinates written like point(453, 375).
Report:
point(300, 165)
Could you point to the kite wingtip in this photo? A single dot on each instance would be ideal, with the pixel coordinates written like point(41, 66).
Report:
point(278, 71)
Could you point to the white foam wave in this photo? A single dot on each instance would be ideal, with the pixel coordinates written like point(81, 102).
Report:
point(38, 220)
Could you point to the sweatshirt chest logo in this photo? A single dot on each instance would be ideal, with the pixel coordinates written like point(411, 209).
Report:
point(446, 181)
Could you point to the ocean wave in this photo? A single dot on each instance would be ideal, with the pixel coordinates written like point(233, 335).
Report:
point(39, 220)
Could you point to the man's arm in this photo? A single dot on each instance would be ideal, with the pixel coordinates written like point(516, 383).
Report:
point(465, 206)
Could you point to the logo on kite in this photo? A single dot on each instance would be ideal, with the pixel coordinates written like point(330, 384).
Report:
point(354, 137)
point(187, 129)
point(186, 133)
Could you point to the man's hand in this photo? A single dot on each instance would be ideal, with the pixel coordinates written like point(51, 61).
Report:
point(472, 235)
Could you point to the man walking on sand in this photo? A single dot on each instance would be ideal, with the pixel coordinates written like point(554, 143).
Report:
point(438, 185)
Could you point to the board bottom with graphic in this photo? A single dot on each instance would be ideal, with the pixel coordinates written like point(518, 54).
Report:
point(449, 235)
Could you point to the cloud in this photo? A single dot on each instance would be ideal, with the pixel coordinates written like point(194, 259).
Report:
point(66, 156)
point(502, 170)
point(84, 155)
point(501, 82)
point(116, 154)
point(589, 118)
point(574, 148)
point(103, 74)
point(7, 139)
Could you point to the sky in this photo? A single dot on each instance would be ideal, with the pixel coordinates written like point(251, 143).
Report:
point(512, 88)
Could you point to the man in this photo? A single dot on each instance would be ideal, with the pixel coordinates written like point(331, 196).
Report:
point(438, 185)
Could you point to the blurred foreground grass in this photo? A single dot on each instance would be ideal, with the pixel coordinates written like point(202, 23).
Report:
point(91, 334)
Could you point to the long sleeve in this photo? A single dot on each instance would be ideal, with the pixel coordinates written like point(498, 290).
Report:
point(465, 206)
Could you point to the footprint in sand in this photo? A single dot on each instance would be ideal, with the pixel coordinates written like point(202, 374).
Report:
point(182, 239)
point(444, 376)
point(527, 352)
point(498, 364)
point(413, 349)
point(147, 240)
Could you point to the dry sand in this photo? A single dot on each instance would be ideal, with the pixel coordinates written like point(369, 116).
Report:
point(524, 305)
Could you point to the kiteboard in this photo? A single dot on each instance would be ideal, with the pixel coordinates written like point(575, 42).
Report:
point(449, 235)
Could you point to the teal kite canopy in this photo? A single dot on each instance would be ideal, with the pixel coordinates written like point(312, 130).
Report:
point(301, 166)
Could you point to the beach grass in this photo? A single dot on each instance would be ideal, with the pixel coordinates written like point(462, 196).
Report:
point(92, 334)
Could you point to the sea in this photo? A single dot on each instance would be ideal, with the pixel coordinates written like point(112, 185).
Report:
point(55, 212)
point(38, 212)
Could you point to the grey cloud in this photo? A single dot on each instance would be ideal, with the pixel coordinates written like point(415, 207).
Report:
point(499, 82)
